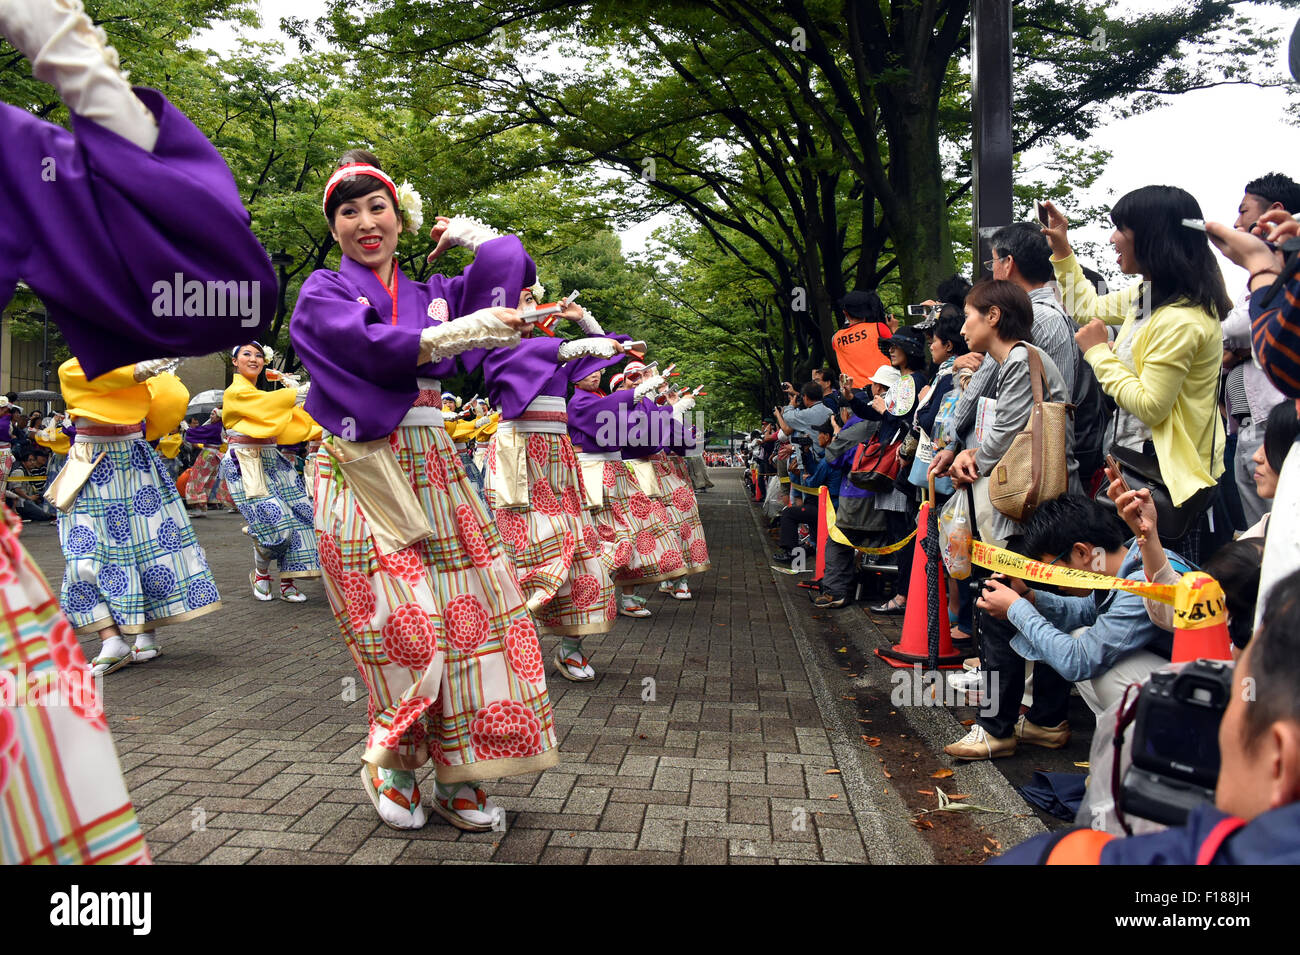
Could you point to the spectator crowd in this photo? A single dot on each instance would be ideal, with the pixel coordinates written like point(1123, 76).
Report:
point(1173, 445)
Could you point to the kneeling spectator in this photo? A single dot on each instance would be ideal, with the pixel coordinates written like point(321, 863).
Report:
point(1102, 641)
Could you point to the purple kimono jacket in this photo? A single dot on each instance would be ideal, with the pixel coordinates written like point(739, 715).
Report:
point(363, 366)
point(206, 434)
point(516, 376)
point(111, 238)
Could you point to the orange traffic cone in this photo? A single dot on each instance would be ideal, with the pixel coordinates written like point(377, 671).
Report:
point(915, 646)
point(1200, 620)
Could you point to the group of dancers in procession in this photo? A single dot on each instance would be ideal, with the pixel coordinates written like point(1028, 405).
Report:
point(447, 540)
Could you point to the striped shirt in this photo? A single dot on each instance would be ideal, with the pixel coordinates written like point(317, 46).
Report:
point(1276, 335)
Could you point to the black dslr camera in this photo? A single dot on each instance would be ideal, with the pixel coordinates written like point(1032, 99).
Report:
point(1176, 742)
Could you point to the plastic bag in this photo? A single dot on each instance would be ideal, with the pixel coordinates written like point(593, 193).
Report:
point(955, 536)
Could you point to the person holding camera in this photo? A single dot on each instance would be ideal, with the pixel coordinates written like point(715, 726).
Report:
point(999, 319)
point(1100, 644)
point(1255, 818)
point(1163, 370)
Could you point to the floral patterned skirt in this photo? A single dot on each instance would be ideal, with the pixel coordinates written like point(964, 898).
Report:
point(205, 485)
point(647, 545)
point(62, 798)
point(132, 557)
point(280, 523)
point(556, 548)
point(683, 511)
point(437, 630)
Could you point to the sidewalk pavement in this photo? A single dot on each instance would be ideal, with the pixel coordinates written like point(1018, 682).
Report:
point(708, 736)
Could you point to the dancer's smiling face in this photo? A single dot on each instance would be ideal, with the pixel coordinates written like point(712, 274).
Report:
point(249, 361)
point(367, 228)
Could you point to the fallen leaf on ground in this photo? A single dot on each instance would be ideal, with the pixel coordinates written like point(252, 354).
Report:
point(842, 650)
point(941, 774)
point(831, 772)
point(872, 740)
point(1083, 765)
point(864, 721)
point(959, 795)
point(833, 796)
point(926, 792)
point(967, 722)
point(922, 824)
point(848, 697)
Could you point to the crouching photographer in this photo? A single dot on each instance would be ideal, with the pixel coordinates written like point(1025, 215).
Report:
point(1256, 813)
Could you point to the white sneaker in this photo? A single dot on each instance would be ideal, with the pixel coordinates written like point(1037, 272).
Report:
point(683, 592)
point(978, 744)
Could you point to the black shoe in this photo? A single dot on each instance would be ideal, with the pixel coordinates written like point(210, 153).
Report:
point(830, 601)
point(783, 557)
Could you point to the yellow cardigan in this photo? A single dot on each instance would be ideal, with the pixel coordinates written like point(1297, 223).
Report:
point(1174, 385)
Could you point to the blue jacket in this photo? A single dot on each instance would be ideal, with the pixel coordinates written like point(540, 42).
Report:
point(1269, 839)
point(1117, 623)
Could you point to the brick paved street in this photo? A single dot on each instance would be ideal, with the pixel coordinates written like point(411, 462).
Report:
point(702, 741)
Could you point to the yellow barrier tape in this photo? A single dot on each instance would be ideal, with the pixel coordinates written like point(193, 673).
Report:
point(837, 535)
point(33, 477)
point(1197, 598)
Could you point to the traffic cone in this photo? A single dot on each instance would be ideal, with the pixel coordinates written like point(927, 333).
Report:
point(1200, 620)
point(823, 502)
point(915, 646)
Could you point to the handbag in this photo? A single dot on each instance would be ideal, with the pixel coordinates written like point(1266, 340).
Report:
point(1034, 469)
point(1143, 471)
point(875, 466)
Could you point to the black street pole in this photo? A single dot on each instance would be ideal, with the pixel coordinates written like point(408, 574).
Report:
point(991, 115)
point(45, 351)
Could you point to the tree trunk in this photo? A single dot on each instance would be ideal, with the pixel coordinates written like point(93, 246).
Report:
point(922, 242)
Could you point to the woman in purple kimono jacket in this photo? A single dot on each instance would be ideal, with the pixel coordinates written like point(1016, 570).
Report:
point(112, 225)
point(421, 587)
point(605, 429)
point(536, 489)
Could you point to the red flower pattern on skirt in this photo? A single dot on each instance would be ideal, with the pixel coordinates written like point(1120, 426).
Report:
point(640, 505)
point(524, 651)
point(609, 477)
point(623, 554)
point(538, 450)
point(409, 638)
point(685, 531)
point(405, 565)
point(683, 498)
point(585, 591)
point(435, 468)
point(699, 552)
point(645, 542)
point(670, 561)
point(506, 729)
point(611, 608)
point(471, 536)
point(570, 501)
point(606, 532)
point(513, 527)
point(466, 622)
point(591, 537)
point(359, 597)
point(8, 746)
point(567, 457)
point(331, 556)
point(543, 498)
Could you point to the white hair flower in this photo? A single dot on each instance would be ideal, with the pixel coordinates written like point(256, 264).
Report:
point(412, 205)
point(268, 352)
point(539, 291)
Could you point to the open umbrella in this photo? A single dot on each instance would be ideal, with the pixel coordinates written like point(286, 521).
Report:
point(204, 402)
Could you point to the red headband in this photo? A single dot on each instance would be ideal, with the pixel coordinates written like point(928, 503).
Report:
point(356, 169)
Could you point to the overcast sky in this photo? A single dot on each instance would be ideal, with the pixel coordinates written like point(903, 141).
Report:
point(1211, 142)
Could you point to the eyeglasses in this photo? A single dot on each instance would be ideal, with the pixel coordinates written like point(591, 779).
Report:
point(989, 263)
